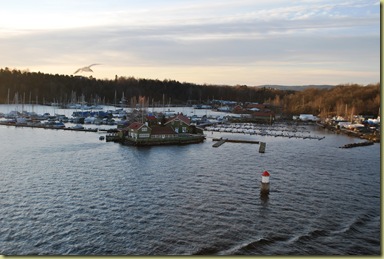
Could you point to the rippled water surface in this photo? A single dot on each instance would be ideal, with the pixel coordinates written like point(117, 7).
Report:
point(70, 193)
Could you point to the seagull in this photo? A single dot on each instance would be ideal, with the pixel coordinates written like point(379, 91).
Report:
point(86, 69)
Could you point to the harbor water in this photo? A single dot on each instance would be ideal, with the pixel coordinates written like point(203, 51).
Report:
point(68, 193)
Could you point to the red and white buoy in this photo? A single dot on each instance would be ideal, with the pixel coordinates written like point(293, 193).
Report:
point(264, 183)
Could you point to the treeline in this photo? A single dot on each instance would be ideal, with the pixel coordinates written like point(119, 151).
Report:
point(343, 100)
point(60, 88)
point(42, 88)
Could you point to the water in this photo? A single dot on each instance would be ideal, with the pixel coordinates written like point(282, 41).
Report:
point(68, 193)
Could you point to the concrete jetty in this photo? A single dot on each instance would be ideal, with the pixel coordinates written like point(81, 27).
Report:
point(237, 141)
point(219, 143)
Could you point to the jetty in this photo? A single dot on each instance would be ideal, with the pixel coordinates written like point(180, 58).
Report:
point(50, 127)
point(236, 141)
point(359, 144)
point(219, 143)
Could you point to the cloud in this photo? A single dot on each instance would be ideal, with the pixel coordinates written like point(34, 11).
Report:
point(240, 35)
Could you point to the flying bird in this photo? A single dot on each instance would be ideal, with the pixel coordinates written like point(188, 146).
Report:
point(86, 69)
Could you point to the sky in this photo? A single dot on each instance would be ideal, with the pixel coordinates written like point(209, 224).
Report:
point(220, 42)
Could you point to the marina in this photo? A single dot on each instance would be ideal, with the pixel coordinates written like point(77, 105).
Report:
point(182, 128)
point(278, 130)
point(116, 118)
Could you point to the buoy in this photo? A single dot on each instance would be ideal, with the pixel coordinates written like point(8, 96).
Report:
point(264, 190)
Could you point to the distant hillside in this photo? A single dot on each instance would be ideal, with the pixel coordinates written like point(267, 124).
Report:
point(296, 87)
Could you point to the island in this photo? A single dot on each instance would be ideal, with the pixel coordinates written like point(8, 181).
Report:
point(176, 130)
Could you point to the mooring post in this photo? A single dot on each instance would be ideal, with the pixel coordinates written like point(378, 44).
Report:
point(262, 147)
point(264, 190)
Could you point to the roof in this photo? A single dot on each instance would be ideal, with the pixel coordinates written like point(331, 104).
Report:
point(151, 118)
point(256, 105)
point(180, 117)
point(135, 125)
point(162, 130)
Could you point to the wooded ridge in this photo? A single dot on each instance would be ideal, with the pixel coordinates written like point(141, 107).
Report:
point(46, 88)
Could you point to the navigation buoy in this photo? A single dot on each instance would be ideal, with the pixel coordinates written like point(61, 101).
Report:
point(264, 183)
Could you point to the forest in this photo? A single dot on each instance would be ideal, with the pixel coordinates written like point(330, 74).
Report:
point(41, 88)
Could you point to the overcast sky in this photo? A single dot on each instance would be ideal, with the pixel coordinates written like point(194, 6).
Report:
point(251, 42)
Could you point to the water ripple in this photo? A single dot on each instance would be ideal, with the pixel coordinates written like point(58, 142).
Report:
point(67, 193)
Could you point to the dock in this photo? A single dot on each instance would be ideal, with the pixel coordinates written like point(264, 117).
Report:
point(219, 142)
point(360, 144)
point(237, 141)
point(49, 127)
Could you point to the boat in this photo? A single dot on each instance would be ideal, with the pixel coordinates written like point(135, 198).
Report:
point(77, 127)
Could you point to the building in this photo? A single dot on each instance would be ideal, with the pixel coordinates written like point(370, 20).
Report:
point(255, 112)
point(138, 130)
point(179, 123)
point(177, 130)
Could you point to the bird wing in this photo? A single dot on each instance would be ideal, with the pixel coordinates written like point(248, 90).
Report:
point(77, 70)
point(93, 65)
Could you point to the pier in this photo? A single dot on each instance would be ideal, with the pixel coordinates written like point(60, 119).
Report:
point(50, 127)
point(237, 141)
point(219, 143)
point(360, 144)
